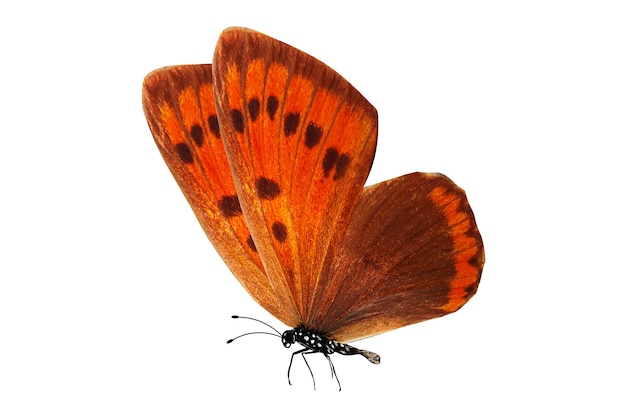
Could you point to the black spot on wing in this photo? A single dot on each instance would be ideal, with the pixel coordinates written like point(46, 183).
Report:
point(197, 135)
point(329, 161)
point(312, 135)
point(184, 153)
point(271, 106)
point(214, 125)
point(253, 108)
point(337, 161)
point(266, 188)
point(280, 231)
point(291, 123)
point(251, 244)
point(237, 119)
point(229, 206)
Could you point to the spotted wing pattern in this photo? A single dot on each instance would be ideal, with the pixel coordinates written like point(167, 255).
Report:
point(300, 142)
point(180, 108)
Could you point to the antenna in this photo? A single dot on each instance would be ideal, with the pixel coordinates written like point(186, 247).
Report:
point(246, 334)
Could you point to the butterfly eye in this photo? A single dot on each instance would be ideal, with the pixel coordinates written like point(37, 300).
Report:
point(288, 338)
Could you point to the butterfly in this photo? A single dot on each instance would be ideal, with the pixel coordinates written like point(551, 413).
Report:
point(272, 149)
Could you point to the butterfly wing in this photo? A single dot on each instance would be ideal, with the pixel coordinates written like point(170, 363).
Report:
point(412, 252)
point(180, 108)
point(300, 141)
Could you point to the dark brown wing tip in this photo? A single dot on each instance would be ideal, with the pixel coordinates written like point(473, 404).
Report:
point(173, 75)
point(162, 84)
point(241, 45)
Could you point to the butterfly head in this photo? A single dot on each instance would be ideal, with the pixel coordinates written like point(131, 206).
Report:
point(289, 338)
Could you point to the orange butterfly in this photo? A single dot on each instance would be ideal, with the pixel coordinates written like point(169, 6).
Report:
point(271, 148)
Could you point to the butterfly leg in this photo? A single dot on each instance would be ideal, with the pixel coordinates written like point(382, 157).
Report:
point(332, 370)
point(301, 351)
point(307, 365)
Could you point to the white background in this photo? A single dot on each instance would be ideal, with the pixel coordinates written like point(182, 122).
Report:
point(113, 302)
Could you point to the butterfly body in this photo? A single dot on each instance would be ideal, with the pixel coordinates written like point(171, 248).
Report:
point(272, 149)
point(315, 342)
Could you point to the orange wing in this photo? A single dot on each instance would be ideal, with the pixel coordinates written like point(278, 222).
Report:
point(180, 109)
point(300, 141)
point(412, 252)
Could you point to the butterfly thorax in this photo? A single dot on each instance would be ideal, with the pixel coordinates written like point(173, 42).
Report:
point(317, 342)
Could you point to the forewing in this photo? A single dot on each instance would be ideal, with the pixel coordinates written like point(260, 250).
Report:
point(412, 252)
point(300, 142)
point(180, 108)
